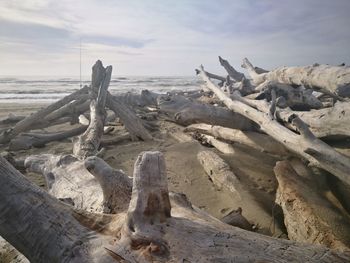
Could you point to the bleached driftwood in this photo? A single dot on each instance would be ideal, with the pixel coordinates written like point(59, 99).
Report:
point(222, 176)
point(153, 229)
point(308, 216)
point(186, 111)
point(296, 98)
point(304, 144)
point(221, 146)
point(258, 141)
point(331, 122)
point(234, 74)
point(333, 80)
point(132, 123)
point(28, 140)
point(27, 123)
point(88, 143)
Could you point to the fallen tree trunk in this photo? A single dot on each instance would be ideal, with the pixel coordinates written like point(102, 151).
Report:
point(132, 123)
point(308, 216)
point(304, 144)
point(27, 123)
point(152, 229)
point(258, 141)
point(28, 140)
point(333, 80)
point(185, 112)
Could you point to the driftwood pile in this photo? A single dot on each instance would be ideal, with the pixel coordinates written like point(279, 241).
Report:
point(94, 213)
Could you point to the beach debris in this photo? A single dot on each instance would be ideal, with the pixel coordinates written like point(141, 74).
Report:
point(92, 212)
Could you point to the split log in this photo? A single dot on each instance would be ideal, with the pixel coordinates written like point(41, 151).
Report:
point(222, 176)
point(153, 229)
point(329, 122)
point(26, 124)
point(258, 141)
point(88, 143)
point(309, 217)
point(333, 80)
point(304, 144)
point(28, 140)
point(132, 123)
point(186, 111)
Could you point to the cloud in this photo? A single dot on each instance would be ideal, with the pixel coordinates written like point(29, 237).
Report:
point(170, 37)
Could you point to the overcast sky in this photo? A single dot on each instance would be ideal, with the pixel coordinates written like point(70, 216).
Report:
point(161, 37)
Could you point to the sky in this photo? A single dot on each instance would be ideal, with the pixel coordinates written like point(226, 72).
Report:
point(163, 37)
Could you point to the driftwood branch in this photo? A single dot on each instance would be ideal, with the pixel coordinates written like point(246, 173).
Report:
point(333, 80)
point(314, 150)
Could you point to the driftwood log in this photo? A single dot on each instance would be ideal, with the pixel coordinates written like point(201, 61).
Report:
point(331, 122)
point(304, 144)
point(25, 124)
point(258, 141)
point(333, 80)
point(222, 176)
point(152, 229)
point(186, 111)
point(309, 217)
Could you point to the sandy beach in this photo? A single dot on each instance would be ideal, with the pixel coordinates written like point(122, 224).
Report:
point(185, 173)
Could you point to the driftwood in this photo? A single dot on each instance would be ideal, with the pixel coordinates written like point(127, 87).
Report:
point(258, 141)
point(153, 228)
point(186, 111)
point(27, 123)
point(10, 119)
point(28, 140)
point(132, 123)
point(222, 176)
point(296, 98)
point(88, 143)
point(333, 80)
point(329, 122)
point(221, 146)
point(304, 144)
point(309, 217)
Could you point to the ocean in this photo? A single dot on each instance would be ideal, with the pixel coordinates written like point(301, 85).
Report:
point(50, 89)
